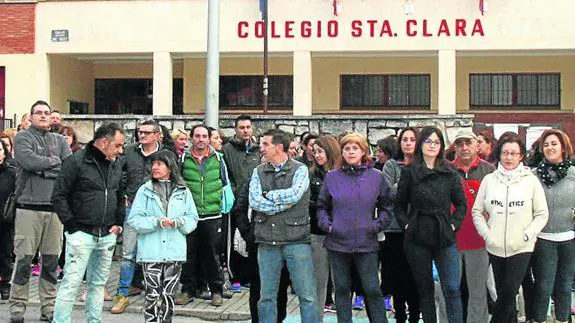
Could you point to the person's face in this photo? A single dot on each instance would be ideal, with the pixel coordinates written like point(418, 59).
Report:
point(55, 119)
point(215, 140)
point(466, 149)
point(268, 149)
point(244, 129)
point(6, 141)
point(293, 149)
point(2, 156)
point(510, 155)
point(352, 154)
point(160, 170)
point(147, 135)
point(483, 146)
point(41, 117)
point(200, 139)
point(115, 147)
point(407, 143)
point(25, 122)
point(431, 146)
point(181, 141)
point(381, 156)
point(552, 149)
point(309, 147)
point(69, 139)
point(319, 155)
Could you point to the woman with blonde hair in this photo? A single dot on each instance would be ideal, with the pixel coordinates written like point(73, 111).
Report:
point(554, 254)
point(181, 139)
point(327, 157)
point(346, 211)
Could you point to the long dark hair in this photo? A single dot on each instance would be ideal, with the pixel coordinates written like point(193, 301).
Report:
point(169, 158)
point(425, 133)
point(400, 156)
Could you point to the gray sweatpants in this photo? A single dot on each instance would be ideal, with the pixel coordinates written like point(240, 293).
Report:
point(476, 271)
point(35, 230)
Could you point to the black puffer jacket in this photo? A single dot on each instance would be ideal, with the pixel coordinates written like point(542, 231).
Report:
point(430, 194)
point(137, 168)
point(88, 194)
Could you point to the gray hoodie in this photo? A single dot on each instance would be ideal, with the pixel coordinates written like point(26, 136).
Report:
point(38, 154)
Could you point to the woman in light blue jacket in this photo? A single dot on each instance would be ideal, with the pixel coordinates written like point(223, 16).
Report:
point(163, 213)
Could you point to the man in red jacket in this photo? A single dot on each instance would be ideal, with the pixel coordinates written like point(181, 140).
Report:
point(473, 257)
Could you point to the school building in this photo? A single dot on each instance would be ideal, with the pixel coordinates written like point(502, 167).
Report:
point(509, 61)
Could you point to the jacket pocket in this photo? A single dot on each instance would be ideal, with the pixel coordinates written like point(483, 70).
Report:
point(296, 228)
point(424, 230)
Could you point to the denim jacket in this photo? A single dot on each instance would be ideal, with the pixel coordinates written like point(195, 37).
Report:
point(156, 244)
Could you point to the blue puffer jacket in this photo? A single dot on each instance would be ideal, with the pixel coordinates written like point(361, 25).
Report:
point(156, 244)
point(347, 203)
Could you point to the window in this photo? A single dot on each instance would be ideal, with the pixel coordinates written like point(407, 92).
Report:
point(390, 91)
point(515, 90)
point(133, 96)
point(238, 92)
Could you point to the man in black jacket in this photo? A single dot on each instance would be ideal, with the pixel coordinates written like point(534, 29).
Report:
point(89, 200)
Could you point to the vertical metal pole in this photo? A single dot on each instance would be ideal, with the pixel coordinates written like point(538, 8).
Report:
point(265, 82)
point(213, 65)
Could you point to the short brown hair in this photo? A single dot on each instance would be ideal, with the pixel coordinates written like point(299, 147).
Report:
point(361, 141)
point(567, 149)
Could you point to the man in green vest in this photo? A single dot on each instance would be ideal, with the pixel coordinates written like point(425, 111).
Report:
point(205, 176)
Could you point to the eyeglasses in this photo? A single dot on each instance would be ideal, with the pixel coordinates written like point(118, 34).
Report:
point(432, 142)
point(510, 153)
point(39, 113)
point(146, 133)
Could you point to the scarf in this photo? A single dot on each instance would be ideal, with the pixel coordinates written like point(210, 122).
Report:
point(552, 173)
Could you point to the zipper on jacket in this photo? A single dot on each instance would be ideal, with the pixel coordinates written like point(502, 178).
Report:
point(202, 188)
point(506, 216)
point(105, 195)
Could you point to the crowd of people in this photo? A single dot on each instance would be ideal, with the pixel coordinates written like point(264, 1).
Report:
point(446, 234)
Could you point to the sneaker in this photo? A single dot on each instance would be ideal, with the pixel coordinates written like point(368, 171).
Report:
point(572, 310)
point(217, 300)
point(19, 319)
point(388, 305)
point(46, 317)
point(358, 303)
point(122, 303)
point(183, 298)
point(5, 291)
point(36, 270)
point(330, 308)
point(236, 288)
point(133, 291)
point(205, 295)
point(227, 294)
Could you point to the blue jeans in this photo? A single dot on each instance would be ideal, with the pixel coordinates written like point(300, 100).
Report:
point(553, 268)
point(128, 263)
point(300, 266)
point(85, 252)
point(447, 261)
point(367, 265)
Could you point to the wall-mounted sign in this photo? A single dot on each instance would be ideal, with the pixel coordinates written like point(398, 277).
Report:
point(362, 29)
point(60, 35)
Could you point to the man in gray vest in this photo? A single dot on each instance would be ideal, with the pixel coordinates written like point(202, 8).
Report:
point(279, 196)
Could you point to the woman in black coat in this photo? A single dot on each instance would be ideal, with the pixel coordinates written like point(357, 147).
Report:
point(8, 180)
point(427, 189)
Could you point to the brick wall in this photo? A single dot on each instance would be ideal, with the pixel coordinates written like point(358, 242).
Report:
point(17, 34)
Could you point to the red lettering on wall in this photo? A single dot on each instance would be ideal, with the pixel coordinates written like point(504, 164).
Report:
point(289, 29)
point(385, 29)
point(443, 28)
point(425, 32)
point(460, 27)
point(306, 29)
point(274, 33)
point(241, 32)
point(477, 28)
point(259, 29)
point(372, 27)
point(332, 28)
point(356, 28)
point(411, 23)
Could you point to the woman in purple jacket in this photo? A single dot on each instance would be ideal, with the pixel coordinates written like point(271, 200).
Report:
point(346, 211)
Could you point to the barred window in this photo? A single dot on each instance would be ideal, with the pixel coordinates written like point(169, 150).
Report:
point(385, 91)
point(515, 90)
point(246, 91)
